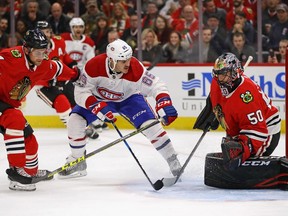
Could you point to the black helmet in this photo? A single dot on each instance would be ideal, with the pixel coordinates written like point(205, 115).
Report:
point(43, 25)
point(35, 39)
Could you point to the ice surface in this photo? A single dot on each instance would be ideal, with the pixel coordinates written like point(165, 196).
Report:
point(115, 185)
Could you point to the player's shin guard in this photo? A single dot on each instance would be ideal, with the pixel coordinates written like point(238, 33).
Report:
point(161, 141)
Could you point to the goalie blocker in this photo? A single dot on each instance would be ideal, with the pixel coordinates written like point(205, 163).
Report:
point(255, 173)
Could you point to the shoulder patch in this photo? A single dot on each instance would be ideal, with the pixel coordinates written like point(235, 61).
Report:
point(57, 37)
point(247, 97)
point(16, 53)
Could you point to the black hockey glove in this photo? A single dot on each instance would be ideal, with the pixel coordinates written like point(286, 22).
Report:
point(206, 119)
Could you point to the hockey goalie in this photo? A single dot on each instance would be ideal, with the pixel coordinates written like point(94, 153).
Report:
point(252, 124)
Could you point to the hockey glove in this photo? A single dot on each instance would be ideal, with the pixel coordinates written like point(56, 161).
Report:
point(166, 110)
point(102, 111)
point(235, 151)
point(206, 119)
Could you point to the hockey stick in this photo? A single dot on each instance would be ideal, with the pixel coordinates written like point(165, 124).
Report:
point(250, 58)
point(171, 181)
point(158, 184)
point(78, 160)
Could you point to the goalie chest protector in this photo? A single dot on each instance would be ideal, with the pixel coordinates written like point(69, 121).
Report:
point(255, 173)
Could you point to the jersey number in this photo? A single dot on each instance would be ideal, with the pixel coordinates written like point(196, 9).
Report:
point(255, 117)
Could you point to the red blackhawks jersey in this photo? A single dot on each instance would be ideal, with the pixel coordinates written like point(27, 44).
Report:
point(97, 83)
point(16, 78)
point(249, 111)
point(57, 51)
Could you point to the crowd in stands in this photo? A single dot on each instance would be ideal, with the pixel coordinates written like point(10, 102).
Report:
point(170, 28)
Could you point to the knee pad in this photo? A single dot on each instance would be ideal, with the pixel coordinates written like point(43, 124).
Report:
point(14, 119)
point(61, 104)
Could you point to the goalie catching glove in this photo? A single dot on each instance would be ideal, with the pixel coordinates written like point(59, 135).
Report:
point(165, 109)
point(235, 151)
point(103, 112)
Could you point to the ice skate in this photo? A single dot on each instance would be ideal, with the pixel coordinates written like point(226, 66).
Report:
point(174, 165)
point(100, 127)
point(78, 170)
point(20, 180)
point(91, 132)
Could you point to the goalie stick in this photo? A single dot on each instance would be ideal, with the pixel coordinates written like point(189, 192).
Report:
point(158, 184)
point(78, 160)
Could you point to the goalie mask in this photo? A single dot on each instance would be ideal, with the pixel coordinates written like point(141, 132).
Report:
point(227, 71)
point(118, 50)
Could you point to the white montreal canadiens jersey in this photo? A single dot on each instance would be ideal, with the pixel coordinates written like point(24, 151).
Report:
point(97, 82)
point(79, 50)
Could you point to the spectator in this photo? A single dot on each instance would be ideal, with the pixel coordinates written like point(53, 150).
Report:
point(210, 8)
point(162, 29)
point(280, 56)
point(242, 50)
point(90, 16)
point(58, 20)
point(188, 26)
point(237, 7)
point(151, 48)
point(119, 20)
point(209, 51)
point(178, 14)
point(20, 31)
point(241, 25)
point(169, 7)
point(227, 5)
point(130, 34)
point(32, 14)
point(100, 34)
point(43, 7)
point(4, 37)
point(148, 20)
point(218, 33)
point(269, 16)
point(279, 29)
point(174, 51)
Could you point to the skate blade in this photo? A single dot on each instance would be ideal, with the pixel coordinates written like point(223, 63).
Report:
point(16, 186)
point(73, 175)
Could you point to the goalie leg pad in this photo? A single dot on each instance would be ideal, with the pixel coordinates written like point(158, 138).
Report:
point(255, 173)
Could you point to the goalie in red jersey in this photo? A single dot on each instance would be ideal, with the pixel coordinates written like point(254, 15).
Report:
point(21, 68)
point(251, 121)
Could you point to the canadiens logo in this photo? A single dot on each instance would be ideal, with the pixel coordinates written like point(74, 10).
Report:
point(109, 95)
point(16, 53)
point(247, 97)
point(76, 56)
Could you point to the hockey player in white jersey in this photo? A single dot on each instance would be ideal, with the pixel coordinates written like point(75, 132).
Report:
point(81, 48)
point(116, 82)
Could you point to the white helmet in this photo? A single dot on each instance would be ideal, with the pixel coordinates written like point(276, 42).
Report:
point(76, 21)
point(118, 50)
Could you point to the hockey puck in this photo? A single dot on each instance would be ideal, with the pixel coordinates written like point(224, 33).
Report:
point(158, 185)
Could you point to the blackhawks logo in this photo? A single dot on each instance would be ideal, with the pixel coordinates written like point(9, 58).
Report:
point(21, 89)
point(247, 97)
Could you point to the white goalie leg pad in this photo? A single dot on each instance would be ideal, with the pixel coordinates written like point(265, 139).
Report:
point(76, 132)
point(16, 186)
point(160, 140)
